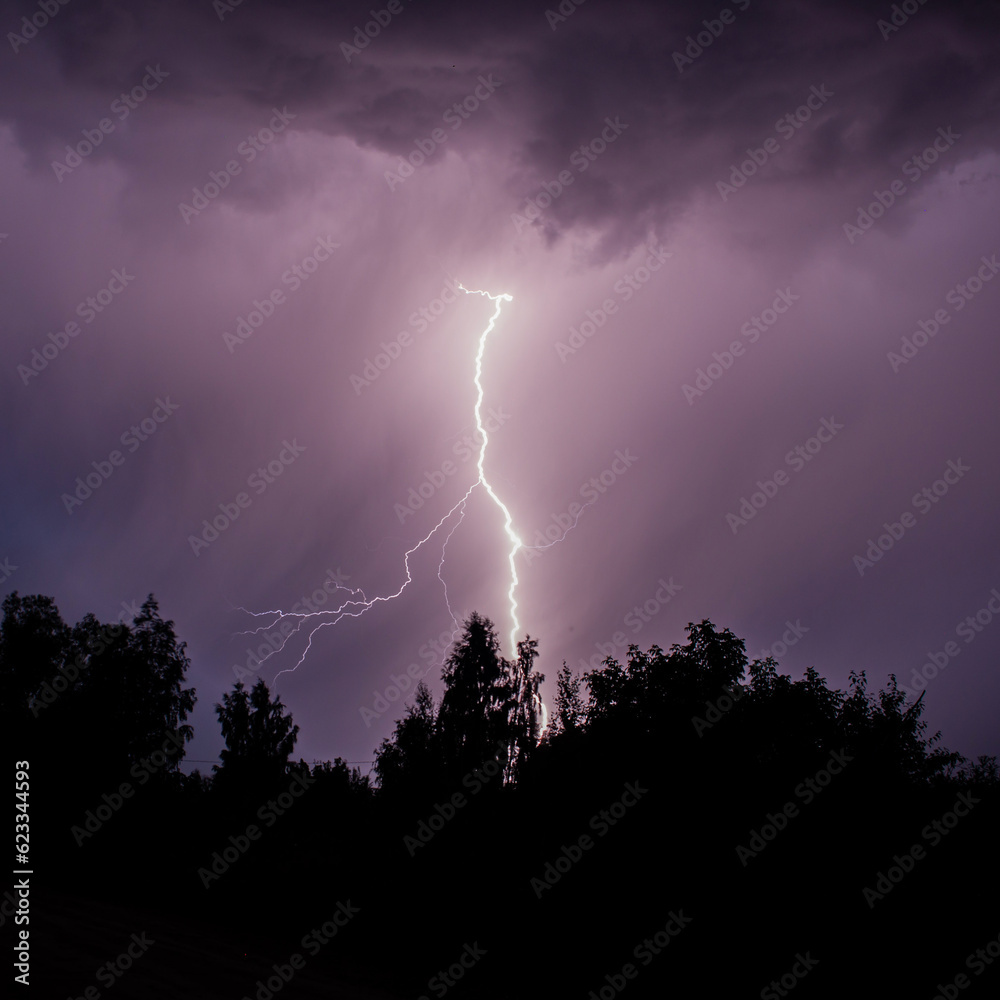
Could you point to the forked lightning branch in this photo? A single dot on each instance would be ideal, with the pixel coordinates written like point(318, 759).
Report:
point(356, 603)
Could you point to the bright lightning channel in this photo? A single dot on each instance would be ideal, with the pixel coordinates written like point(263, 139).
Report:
point(516, 542)
point(355, 607)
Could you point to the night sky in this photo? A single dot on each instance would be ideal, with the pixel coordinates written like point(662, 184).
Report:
point(753, 327)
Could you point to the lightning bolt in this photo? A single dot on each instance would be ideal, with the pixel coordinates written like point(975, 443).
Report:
point(357, 603)
point(516, 542)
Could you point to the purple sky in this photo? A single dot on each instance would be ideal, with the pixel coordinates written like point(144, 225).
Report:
point(259, 154)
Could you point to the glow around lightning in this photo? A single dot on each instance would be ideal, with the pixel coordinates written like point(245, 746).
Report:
point(356, 603)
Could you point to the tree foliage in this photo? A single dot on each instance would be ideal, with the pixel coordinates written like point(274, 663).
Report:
point(115, 690)
point(259, 736)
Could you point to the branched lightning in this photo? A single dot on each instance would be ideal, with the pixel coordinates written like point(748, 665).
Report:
point(357, 603)
point(365, 605)
point(456, 628)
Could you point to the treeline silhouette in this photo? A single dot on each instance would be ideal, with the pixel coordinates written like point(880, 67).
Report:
point(697, 819)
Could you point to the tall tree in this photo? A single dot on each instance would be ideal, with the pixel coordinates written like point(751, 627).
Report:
point(409, 760)
point(474, 720)
point(34, 643)
point(114, 689)
point(526, 706)
point(570, 711)
point(259, 736)
point(132, 681)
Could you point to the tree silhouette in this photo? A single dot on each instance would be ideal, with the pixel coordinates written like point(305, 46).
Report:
point(34, 643)
point(679, 756)
point(113, 689)
point(259, 737)
point(570, 710)
point(132, 683)
point(410, 758)
point(526, 706)
point(654, 687)
point(474, 718)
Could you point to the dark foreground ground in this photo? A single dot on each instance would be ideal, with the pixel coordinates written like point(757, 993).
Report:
point(178, 958)
point(660, 904)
